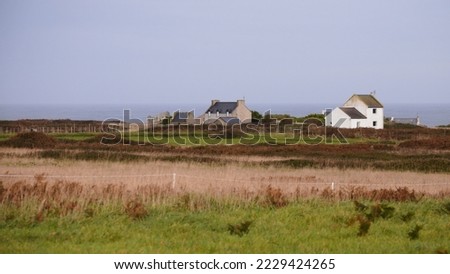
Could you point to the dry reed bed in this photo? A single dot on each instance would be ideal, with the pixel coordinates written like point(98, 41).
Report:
point(197, 186)
point(153, 181)
point(68, 196)
point(215, 179)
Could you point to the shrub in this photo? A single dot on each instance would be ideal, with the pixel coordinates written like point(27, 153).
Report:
point(327, 193)
point(274, 197)
point(44, 206)
point(445, 208)
point(377, 210)
point(413, 233)
point(360, 207)
point(88, 212)
point(441, 251)
point(32, 140)
point(364, 225)
point(442, 143)
point(136, 210)
point(387, 211)
point(2, 190)
point(407, 216)
point(239, 229)
point(400, 194)
point(52, 154)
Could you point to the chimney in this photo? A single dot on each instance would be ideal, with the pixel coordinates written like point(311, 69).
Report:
point(213, 102)
point(240, 102)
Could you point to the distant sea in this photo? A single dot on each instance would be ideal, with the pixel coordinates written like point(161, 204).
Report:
point(430, 114)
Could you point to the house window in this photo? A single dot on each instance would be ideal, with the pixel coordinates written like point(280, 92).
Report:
point(374, 110)
point(374, 123)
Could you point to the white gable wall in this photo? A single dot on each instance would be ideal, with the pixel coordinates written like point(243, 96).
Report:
point(338, 118)
point(357, 123)
point(356, 103)
point(333, 119)
point(377, 117)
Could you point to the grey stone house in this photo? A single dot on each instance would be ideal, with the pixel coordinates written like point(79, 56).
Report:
point(184, 118)
point(227, 110)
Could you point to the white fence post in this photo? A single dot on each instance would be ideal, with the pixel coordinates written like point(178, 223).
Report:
point(332, 186)
point(174, 179)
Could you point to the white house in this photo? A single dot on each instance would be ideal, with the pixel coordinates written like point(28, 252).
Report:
point(408, 121)
point(360, 110)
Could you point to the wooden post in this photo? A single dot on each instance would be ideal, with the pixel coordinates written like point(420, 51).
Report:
point(174, 178)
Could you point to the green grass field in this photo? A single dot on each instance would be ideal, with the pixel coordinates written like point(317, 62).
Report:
point(79, 136)
point(309, 226)
point(5, 136)
point(184, 138)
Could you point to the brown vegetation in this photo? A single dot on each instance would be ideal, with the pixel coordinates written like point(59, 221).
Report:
point(434, 143)
point(136, 210)
point(221, 176)
point(63, 197)
point(31, 140)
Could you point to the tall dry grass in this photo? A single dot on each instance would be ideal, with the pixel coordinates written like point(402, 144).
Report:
point(64, 197)
point(220, 180)
point(48, 187)
point(215, 180)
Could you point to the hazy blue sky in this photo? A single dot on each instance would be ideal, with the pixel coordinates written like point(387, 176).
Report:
point(130, 51)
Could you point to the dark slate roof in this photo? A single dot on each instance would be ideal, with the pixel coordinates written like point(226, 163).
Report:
point(353, 113)
point(180, 117)
point(369, 100)
point(230, 120)
point(222, 107)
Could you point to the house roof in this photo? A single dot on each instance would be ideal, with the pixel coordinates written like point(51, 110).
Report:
point(368, 99)
point(353, 113)
point(180, 116)
point(222, 107)
point(223, 120)
point(412, 121)
point(230, 120)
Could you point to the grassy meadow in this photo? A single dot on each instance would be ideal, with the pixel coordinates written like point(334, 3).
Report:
point(307, 226)
point(63, 193)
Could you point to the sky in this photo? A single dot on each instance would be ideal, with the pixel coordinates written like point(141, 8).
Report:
point(166, 51)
